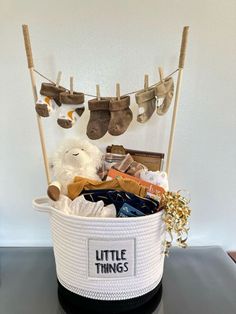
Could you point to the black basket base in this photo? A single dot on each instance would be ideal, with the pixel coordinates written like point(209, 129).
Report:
point(73, 303)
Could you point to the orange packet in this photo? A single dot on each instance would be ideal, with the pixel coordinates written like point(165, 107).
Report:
point(153, 190)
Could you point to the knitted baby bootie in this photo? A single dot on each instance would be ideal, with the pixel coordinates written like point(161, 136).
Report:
point(72, 107)
point(121, 115)
point(165, 90)
point(99, 118)
point(49, 96)
point(146, 101)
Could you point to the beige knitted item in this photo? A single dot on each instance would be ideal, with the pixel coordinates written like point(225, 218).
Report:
point(165, 91)
point(146, 101)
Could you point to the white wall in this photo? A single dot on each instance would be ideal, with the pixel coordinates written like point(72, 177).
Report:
point(119, 41)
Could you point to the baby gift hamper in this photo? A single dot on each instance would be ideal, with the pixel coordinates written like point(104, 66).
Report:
point(118, 262)
point(111, 213)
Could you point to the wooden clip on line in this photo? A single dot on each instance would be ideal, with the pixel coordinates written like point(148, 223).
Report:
point(146, 82)
point(118, 91)
point(161, 74)
point(98, 92)
point(71, 85)
point(58, 78)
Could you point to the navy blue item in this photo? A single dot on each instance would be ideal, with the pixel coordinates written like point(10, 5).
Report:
point(129, 211)
point(145, 205)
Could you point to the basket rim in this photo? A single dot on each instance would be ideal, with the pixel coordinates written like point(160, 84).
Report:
point(49, 208)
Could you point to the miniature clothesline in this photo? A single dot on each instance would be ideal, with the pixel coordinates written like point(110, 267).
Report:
point(32, 72)
point(127, 94)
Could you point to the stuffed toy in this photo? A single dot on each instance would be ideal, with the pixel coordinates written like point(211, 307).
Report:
point(75, 157)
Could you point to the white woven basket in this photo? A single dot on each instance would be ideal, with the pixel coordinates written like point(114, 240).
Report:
point(106, 258)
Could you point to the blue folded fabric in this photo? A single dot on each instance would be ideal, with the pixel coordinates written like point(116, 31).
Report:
point(129, 211)
point(145, 205)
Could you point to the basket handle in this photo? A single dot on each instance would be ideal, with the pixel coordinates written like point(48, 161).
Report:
point(42, 204)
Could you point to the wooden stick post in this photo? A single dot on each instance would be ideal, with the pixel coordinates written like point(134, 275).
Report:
point(177, 95)
point(29, 56)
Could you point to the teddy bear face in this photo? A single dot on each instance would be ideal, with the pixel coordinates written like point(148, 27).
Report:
point(76, 157)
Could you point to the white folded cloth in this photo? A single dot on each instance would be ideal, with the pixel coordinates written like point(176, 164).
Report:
point(81, 207)
point(156, 177)
point(64, 203)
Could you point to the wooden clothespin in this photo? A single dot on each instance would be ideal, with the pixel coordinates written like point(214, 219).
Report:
point(118, 91)
point(71, 85)
point(98, 92)
point(161, 74)
point(146, 83)
point(58, 78)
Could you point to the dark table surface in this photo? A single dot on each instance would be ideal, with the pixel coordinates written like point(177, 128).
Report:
point(196, 280)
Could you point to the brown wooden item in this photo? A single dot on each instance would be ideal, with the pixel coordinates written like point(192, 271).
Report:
point(232, 255)
point(177, 96)
point(153, 161)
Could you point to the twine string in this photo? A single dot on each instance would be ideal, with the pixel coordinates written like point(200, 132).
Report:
point(127, 94)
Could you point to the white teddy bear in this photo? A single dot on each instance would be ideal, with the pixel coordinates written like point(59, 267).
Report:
point(75, 157)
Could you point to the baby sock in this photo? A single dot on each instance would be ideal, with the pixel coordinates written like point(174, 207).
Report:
point(146, 101)
point(49, 97)
point(99, 118)
point(121, 115)
point(72, 107)
point(165, 90)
